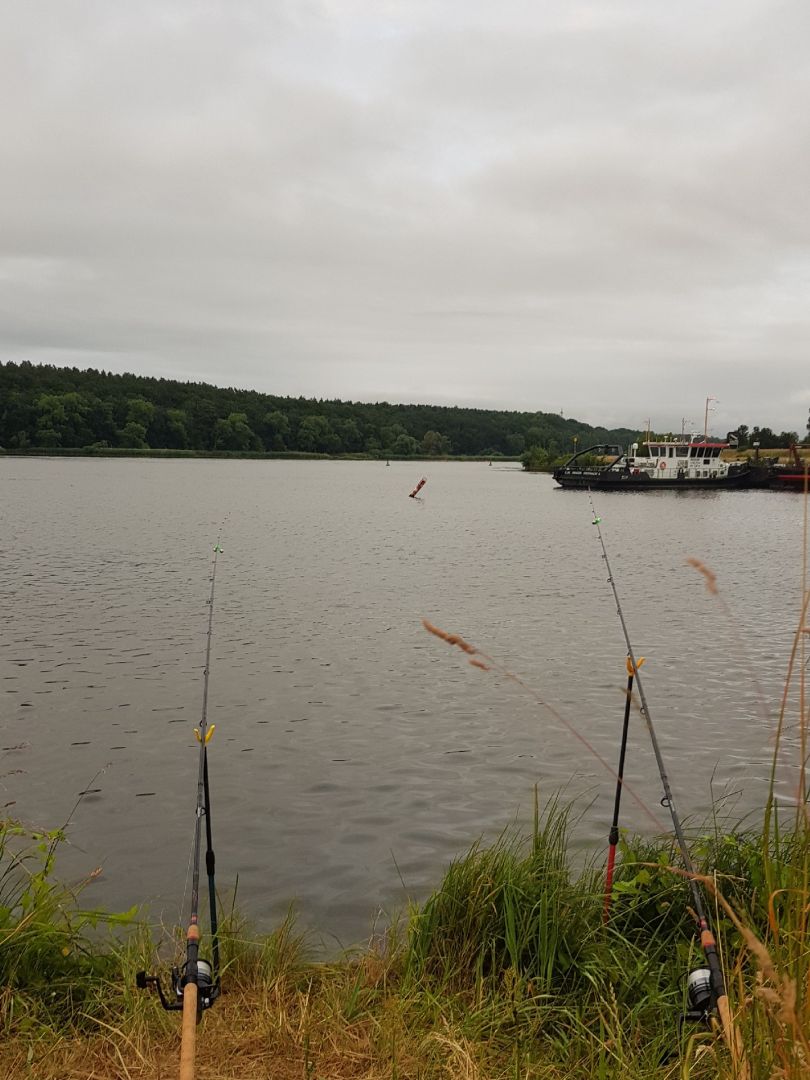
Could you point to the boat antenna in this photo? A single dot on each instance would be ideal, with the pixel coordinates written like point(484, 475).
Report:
point(717, 984)
point(196, 985)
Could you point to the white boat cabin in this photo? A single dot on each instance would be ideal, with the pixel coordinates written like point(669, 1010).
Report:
point(678, 459)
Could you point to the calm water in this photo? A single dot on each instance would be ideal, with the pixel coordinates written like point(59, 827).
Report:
point(355, 755)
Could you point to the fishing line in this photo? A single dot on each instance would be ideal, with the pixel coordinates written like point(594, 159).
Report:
point(187, 878)
point(484, 662)
point(703, 926)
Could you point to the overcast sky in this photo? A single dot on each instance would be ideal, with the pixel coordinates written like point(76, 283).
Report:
point(600, 208)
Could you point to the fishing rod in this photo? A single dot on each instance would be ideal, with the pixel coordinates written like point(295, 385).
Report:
point(613, 836)
point(706, 986)
point(196, 985)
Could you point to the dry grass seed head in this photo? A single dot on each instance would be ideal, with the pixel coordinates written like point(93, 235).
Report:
point(451, 639)
point(709, 575)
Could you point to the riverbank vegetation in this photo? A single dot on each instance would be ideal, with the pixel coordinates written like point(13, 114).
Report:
point(50, 408)
point(506, 971)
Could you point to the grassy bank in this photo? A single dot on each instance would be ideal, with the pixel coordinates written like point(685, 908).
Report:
point(506, 971)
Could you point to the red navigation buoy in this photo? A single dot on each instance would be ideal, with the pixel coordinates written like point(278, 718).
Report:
point(418, 487)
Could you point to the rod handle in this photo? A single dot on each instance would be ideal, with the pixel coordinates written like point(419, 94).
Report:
point(188, 1044)
point(733, 1039)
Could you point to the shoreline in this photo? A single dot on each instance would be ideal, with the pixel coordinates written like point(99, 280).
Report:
point(247, 455)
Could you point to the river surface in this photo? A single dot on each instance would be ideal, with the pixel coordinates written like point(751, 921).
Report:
point(355, 754)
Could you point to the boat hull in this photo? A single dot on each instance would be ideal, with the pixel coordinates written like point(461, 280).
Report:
point(789, 482)
point(614, 480)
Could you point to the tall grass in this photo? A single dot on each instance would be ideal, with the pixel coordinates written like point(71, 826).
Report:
point(507, 970)
point(509, 907)
point(514, 933)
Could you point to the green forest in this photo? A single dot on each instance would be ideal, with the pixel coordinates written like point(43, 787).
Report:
point(60, 408)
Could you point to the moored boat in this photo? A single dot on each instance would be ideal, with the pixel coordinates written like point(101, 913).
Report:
point(689, 462)
point(785, 479)
point(791, 476)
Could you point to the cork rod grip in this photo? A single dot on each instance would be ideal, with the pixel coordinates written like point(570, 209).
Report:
point(189, 1031)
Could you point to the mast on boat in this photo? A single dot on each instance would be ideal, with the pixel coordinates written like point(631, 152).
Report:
point(706, 417)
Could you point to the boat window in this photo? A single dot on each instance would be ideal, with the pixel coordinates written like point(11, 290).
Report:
point(682, 451)
point(671, 451)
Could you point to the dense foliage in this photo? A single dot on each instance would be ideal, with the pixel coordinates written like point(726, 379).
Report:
point(52, 408)
point(764, 437)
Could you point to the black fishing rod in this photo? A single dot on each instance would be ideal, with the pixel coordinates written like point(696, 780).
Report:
point(613, 836)
point(701, 995)
point(196, 985)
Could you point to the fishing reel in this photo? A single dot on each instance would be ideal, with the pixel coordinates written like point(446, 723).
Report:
point(701, 1005)
point(700, 996)
point(207, 989)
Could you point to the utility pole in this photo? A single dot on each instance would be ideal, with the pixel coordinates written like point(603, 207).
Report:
point(648, 429)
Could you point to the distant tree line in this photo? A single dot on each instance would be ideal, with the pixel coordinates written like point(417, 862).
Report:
point(51, 408)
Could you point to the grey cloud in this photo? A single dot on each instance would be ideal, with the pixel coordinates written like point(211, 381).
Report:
point(595, 207)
